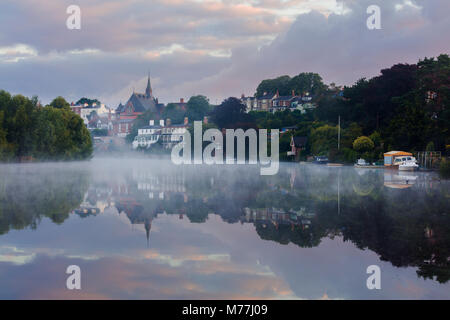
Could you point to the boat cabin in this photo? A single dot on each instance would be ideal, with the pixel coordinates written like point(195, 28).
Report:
point(394, 158)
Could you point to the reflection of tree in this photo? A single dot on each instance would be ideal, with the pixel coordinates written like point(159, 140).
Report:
point(26, 196)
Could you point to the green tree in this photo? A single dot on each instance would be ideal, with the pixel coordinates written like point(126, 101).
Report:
point(197, 107)
point(324, 140)
point(174, 112)
point(88, 101)
point(59, 103)
point(363, 144)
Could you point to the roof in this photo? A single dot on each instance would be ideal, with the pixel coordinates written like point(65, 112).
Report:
point(267, 96)
point(142, 103)
point(284, 98)
point(300, 141)
point(397, 153)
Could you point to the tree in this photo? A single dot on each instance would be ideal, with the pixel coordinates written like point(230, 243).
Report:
point(173, 112)
point(90, 102)
point(229, 113)
point(363, 144)
point(59, 103)
point(197, 108)
point(43, 133)
point(324, 140)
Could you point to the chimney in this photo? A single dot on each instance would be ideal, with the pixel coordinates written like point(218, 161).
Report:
point(161, 123)
point(186, 121)
point(168, 122)
point(242, 96)
point(152, 122)
point(278, 94)
point(181, 100)
point(205, 120)
point(293, 93)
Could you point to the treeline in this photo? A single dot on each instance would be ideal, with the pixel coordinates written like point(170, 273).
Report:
point(405, 108)
point(31, 131)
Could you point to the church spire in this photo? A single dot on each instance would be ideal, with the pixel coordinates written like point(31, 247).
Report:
point(148, 90)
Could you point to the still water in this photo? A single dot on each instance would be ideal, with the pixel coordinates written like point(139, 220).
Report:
point(147, 229)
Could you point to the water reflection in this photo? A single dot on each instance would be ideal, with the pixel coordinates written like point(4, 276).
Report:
point(401, 218)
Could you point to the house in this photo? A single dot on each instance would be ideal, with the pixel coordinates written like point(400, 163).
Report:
point(281, 103)
point(297, 145)
point(264, 103)
point(250, 103)
point(86, 112)
point(168, 134)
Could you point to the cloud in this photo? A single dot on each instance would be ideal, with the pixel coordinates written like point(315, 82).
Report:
point(218, 48)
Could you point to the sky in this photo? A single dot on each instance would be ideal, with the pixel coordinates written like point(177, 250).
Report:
point(218, 48)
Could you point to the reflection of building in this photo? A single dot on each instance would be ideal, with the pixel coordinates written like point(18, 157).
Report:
point(278, 216)
point(402, 180)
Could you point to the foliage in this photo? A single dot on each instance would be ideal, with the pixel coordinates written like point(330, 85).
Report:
point(174, 112)
point(301, 84)
point(363, 144)
point(28, 130)
point(59, 103)
point(323, 140)
point(197, 107)
point(230, 114)
point(90, 102)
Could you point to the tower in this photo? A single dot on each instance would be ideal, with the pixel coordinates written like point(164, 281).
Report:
point(148, 90)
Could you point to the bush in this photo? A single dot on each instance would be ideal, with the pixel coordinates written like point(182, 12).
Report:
point(444, 169)
point(363, 144)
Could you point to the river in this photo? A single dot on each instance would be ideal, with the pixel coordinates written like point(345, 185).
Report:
point(147, 229)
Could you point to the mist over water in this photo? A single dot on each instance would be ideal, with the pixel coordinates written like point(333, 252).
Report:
point(146, 228)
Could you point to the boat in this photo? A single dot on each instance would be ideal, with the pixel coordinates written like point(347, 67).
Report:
point(406, 163)
point(361, 163)
point(409, 165)
point(320, 160)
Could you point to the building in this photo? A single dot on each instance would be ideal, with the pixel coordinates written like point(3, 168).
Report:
point(281, 103)
point(297, 145)
point(250, 103)
point(87, 112)
point(167, 134)
point(137, 104)
point(264, 102)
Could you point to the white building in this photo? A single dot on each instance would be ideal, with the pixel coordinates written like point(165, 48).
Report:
point(169, 134)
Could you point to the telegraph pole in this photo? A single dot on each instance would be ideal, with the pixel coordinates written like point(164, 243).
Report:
point(339, 132)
